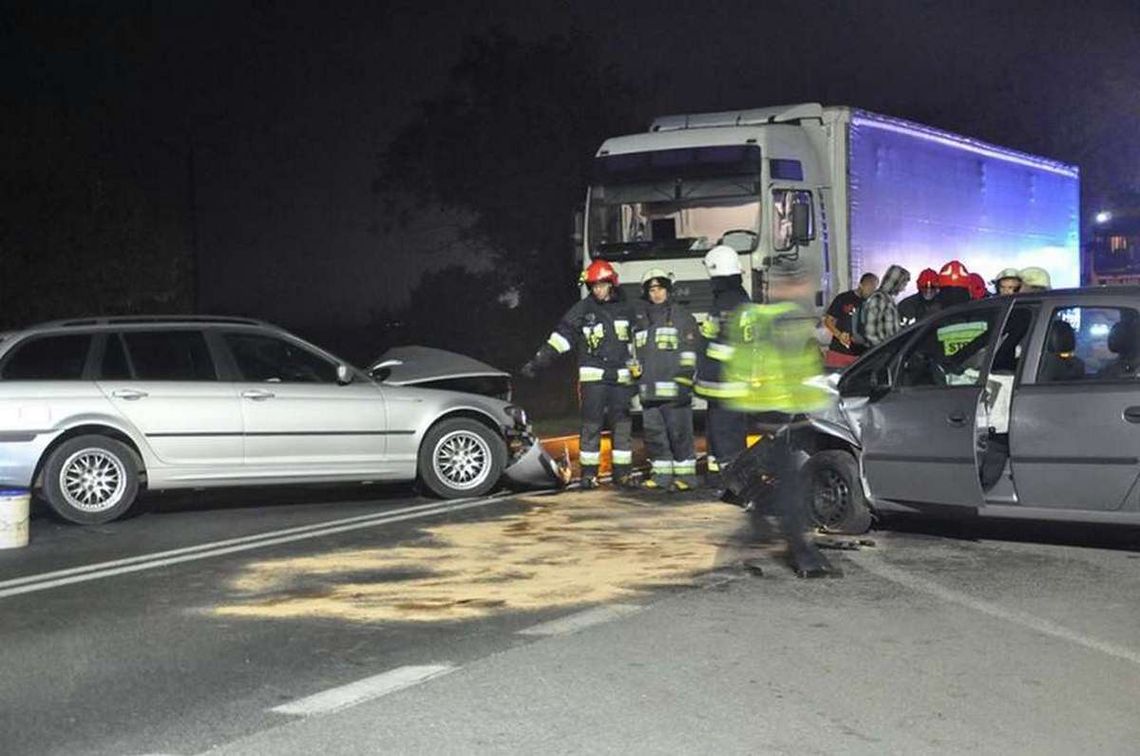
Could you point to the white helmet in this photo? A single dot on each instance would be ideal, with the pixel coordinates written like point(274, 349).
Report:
point(1035, 278)
point(660, 275)
point(723, 260)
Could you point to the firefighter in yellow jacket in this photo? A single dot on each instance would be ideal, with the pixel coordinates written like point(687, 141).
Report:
point(777, 363)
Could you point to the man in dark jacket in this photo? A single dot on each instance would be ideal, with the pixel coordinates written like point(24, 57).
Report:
point(726, 428)
point(665, 338)
point(601, 326)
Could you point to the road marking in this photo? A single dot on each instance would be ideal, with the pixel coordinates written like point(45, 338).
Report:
point(335, 699)
point(1047, 627)
point(48, 580)
point(575, 622)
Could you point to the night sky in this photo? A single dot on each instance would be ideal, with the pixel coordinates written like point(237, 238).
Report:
point(286, 107)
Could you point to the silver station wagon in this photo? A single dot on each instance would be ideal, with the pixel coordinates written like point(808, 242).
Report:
point(93, 410)
point(1011, 407)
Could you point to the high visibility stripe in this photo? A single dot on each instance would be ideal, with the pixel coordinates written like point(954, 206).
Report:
point(588, 374)
point(559, 342)
point(640, 338)
point(662, 466)
point(709, 328)
point(624, 376)
point(718, 351)
point(665, 388)
point(621, 328)
point(714, 466)
point(591, 458)
point(686, 467)
point(622, 456)
point(721, 390)
point(688, 359)
point(684, 380)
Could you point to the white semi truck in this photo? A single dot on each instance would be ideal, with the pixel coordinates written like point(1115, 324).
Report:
point(840, 190)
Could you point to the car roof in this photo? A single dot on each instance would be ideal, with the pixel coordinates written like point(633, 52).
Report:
point(140, 320)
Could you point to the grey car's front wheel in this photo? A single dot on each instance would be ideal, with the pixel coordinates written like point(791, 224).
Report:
point(461, 457)
point(90, 480)
point(835, 494)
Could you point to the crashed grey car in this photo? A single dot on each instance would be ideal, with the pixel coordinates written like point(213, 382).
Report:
point(94, 410)
point(1013, 407)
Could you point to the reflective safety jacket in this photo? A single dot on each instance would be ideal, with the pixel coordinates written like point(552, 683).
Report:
point(666, 340)
point(711, 383)
point(602, 332)
point(775, 358)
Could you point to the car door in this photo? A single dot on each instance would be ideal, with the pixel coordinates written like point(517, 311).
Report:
point(165, 382)
point(299, 420)
point(920, 437)
point(1075, 422)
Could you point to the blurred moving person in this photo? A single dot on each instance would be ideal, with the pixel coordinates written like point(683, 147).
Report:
point(777, 359)
point(666, 340)
point(600, 325)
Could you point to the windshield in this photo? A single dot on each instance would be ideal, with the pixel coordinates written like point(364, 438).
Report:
point(670, 218)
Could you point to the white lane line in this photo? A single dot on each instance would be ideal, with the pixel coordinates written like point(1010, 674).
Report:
point(96, 572)
point(1031, 621)
point(575, 622)
point(360, 691)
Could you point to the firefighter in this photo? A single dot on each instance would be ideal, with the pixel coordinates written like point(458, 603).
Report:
point(726, 428)
point(601, 326)
point(776, 357)
point(917, 307)
point(665, 339)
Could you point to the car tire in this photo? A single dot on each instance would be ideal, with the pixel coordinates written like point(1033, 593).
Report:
point(461, 457)
point(834, 493)
point(90, 480)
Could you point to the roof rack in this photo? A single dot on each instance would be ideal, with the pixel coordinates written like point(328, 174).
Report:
point(143, 319)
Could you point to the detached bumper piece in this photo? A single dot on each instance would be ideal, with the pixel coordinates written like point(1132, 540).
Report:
point(535, 469)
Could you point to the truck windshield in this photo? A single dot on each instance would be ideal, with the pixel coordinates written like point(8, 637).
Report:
point(677, 218)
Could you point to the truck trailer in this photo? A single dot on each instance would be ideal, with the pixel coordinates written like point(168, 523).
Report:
point(836, 191)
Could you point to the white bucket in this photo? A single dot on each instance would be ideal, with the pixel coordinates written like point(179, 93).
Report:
point(14, 506)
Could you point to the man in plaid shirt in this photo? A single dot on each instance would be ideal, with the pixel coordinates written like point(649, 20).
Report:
point(880, 315)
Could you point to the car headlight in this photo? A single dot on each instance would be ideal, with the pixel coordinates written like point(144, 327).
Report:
point(518, 414)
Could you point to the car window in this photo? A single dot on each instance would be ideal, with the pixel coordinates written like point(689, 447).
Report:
point(269, 358)
point(114, 366)
point(170, 355)
point(1091, 344)
point(48, 358)
point(872, 371)
point(951, 351)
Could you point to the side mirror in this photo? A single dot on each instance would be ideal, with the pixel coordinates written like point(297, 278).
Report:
point(801, 220)
point(343, 375)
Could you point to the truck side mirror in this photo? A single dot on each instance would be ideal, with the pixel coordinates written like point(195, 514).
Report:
point(801, 223)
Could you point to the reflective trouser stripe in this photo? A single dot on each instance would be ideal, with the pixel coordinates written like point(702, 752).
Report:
point(687, 467)
point(559, 343)
point(588, 374)
point(662, 466)
point(591, 458)
point(721, 390)
point(623, 457)
point(714, 466)
point(719, 352)
point(624, 376)
point(688, 359)
point(665, 388)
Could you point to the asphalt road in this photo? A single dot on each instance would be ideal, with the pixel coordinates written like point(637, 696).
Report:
point(368, 620)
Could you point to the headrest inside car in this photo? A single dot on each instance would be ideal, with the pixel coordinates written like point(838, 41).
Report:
point(1062, 338)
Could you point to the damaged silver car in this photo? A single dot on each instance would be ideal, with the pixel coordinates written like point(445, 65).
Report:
point(92, 411)
point(1013, 407)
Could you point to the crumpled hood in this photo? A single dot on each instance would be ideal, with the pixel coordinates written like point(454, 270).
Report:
point(894, 280)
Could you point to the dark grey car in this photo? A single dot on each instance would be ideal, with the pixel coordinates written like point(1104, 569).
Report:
point(1012, 407)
